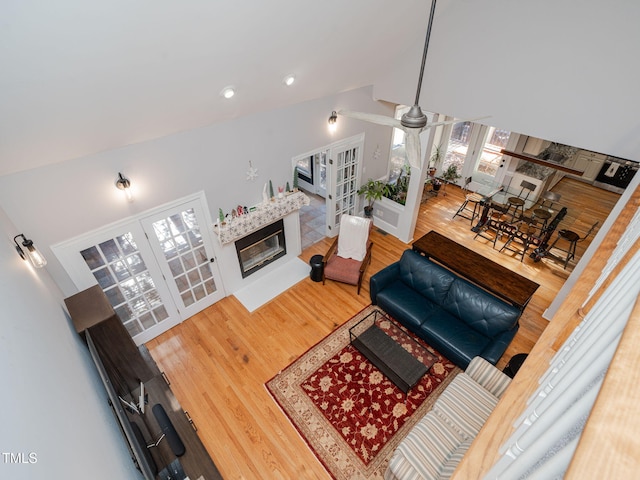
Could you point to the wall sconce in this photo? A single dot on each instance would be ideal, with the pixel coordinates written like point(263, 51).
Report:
point(124, 184)
point(30, 252)
point(332, 122)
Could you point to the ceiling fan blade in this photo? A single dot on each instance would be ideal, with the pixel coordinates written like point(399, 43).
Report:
point(412, 147)
point(372, 118)
point(449, 122)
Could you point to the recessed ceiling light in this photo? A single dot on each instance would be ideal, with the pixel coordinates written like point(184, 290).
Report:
point(289, 79)
point(228, 92)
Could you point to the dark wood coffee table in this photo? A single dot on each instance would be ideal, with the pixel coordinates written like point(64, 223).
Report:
point(485, 273)
point(395, 353)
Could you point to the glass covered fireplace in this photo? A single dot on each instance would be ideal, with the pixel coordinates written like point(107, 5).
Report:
point(260, 248)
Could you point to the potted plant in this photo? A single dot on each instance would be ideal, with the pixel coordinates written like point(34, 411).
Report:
point(450, 175)
point(372, 190)
point(436, 158)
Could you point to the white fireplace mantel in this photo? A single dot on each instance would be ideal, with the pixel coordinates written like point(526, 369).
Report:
point(264, 214)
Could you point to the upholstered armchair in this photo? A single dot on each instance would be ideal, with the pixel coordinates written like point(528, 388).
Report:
point(350, 253)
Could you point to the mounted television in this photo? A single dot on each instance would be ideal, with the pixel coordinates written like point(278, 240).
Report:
point(137, 445)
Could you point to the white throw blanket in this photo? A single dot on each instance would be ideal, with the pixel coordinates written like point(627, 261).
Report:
point(352, 240)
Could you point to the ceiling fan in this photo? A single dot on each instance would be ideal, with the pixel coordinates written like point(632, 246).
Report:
point(414, 121)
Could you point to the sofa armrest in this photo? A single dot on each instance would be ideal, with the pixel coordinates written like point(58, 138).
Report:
point(496, 348)
point(488, 376)
point(380, 280)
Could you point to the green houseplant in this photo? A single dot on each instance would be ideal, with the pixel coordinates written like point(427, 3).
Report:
point(450, 175)
point(436, 158)
point(372, 190)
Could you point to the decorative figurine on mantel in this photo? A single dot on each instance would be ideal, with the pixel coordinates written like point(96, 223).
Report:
point(295, 179)
point(271, 195)
point(265, 197)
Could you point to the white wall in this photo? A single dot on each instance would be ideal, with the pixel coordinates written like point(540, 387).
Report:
point(53, 404)
point(561, 71)
point(58, 202)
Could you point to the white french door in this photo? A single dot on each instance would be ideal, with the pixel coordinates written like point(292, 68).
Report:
point(120, 260)
point(344, 167)
point(488, 159)
point(321, 164)
point(311, 170)
point(184, 252)
point(156, 269)
point(475, 150)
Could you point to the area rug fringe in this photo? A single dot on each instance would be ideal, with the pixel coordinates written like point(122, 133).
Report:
point(315, 429)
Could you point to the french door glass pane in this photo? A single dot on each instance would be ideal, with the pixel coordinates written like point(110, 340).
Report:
point(182, 245)
point(490, 157)
point(323, 170)
point(92, 257)
point(122, 274)
point(458, 145)
point(345, 190)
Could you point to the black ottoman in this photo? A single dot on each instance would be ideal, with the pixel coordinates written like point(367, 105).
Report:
point(316, 268)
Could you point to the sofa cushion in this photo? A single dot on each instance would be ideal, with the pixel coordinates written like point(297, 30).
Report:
point(346, 270)
point(452, 337)
point(447, 469)
point(465, 404)
point(488, 376)
point(480, 310)
point(405, 305)
point(425, 450)
point(424, 276)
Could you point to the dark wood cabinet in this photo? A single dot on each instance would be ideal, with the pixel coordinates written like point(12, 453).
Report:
point(124, 369)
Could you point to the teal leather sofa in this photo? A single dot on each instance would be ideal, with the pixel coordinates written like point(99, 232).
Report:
point(454, 316)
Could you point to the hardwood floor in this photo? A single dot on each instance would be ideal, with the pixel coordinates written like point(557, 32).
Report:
point(219, 360)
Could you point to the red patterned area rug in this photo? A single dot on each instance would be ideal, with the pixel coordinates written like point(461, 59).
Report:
point(347, 411)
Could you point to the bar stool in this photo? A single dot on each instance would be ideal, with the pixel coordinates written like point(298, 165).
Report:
point(470, 199)
point(572, 238)
point(541, 216)
point(543, 213)
point(518, 202)
point(494, 224)
point(521, 232)
point(551, 197)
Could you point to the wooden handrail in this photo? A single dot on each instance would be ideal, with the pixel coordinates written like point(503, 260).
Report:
point(545, 163)
point(484, 451)
point(604, 252)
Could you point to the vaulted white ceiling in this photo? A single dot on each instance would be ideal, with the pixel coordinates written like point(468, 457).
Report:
point(80, 77)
